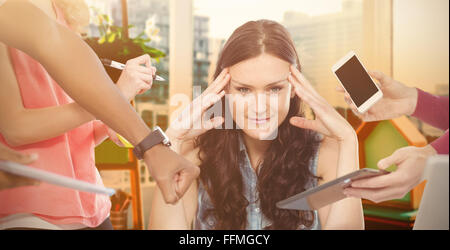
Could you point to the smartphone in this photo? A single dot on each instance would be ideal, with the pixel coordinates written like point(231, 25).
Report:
point(357, 82)
point(327, 193)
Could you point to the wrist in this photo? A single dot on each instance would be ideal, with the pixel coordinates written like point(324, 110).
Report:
point(349, 137)
point(176, 142)
point(411, 100)
point(429, 150)
point(124, 92)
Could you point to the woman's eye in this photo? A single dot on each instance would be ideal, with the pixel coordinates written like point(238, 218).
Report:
point(275, 89)
point(243, 90)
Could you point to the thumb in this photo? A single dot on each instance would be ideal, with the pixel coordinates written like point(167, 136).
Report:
point(397, 157)
point(168, 191)
point(11, 155)
point(144, 59)
point(187, 176)
point(304, 123)
point(380, 77)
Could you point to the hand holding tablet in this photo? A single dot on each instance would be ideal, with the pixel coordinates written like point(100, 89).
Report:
point(52, 178)
point(327, 193)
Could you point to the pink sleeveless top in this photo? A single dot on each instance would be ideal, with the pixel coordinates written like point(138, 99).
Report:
point(70, 154)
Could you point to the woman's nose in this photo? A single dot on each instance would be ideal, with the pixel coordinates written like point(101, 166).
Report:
point(260, 103)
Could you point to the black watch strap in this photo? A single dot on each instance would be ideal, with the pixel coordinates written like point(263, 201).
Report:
point(154, 138)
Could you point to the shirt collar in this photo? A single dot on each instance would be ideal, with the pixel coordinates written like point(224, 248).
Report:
point(241, 143)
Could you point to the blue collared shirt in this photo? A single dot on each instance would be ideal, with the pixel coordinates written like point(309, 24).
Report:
point(255, 218)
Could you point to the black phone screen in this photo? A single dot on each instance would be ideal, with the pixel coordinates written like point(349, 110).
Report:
point(356, 81)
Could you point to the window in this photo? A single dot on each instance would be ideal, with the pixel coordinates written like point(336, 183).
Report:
point(322, 30)
point(147, 116)
point(162, 121)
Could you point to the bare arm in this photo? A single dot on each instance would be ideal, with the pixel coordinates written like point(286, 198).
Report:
point(100, 132)
point(347, 213)
point(45, 123)
point(179, 216)
point(72, 64)
point(340, 146)
point(77, 69)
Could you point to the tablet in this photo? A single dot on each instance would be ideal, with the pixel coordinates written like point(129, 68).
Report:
point(325, 194)
point(52, 178)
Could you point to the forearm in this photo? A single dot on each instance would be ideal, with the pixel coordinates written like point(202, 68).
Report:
point(166, 216)
point(46, 123)
point(178, 145)
point(347, 213)
point(441, 144)
point(432, 109)
point(100, 132)
point(72, 64)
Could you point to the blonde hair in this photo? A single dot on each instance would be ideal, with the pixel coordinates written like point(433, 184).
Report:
point(76, 13)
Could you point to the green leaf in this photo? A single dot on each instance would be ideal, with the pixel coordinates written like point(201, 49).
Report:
point(106, 17)
point(102, 40)
point(141, 34)
point(112, 37)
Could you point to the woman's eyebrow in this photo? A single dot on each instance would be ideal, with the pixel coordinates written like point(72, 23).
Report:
point(268, 85)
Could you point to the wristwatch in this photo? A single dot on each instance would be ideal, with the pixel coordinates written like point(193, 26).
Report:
point(157, 136)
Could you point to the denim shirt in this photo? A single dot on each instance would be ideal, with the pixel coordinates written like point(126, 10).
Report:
point(255, 218)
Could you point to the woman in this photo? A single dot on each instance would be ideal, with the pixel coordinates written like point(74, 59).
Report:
point(41, 118)
point(271, 151)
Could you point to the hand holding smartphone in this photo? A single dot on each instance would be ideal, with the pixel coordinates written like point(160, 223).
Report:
point(356, 81)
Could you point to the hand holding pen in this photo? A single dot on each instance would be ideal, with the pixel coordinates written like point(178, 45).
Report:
point(137, 75)
point(121, 66)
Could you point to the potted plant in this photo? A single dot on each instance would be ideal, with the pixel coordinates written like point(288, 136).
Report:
point(115, 45)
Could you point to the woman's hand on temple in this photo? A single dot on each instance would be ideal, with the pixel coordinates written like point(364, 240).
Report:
point(191, 123)
point(135, 78)
point(328, 121)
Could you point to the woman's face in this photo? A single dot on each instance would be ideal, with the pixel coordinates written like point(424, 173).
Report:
point(259, 95)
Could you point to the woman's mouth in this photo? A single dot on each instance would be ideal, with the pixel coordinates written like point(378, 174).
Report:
point(259, 120)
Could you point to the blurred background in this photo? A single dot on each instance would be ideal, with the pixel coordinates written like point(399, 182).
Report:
point(406, 39)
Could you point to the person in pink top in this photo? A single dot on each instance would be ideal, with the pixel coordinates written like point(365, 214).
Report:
point(399, 100)
point(42, 119)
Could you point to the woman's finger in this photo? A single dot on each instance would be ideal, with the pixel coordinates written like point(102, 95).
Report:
point(213, 123)
point(304, 82)
point(144, 87)
point(211, 99)
point(141, 69)
point(302, 122)
point(213, 87)
point(305, 95)
point(144, 59)
point(339, 88)
point(145, 77)
point(8, 154)
point(376, 194)
point(201, 104)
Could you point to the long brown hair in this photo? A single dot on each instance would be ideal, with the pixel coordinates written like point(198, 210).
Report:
point(285, 166)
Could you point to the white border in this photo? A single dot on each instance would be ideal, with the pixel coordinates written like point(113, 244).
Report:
point(369, 102)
